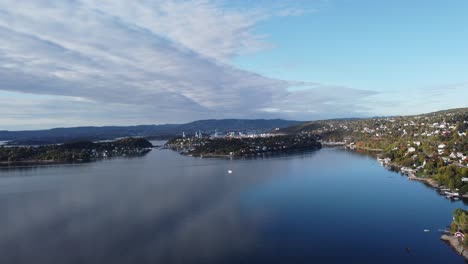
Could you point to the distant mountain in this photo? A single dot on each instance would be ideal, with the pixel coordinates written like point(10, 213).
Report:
point(60, 135)
point(224, 125)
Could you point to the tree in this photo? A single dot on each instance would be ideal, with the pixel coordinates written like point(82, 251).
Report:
point(460, 218)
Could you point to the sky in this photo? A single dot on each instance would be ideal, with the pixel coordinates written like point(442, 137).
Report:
point(127, 62)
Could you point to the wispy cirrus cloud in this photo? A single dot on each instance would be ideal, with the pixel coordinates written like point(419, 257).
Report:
point(133, 62)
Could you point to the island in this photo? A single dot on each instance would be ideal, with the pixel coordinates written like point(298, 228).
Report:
point(73, 152)
point(238, 146)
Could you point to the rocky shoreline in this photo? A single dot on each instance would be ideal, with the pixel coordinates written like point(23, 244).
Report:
point(412, 176)
point(430, 182)
point(456, 244)
point(453, 241)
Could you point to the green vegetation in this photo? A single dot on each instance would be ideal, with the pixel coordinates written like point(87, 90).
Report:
point(229, 146)
point(460, 223)
point(433, 146)
point(451, 176)
point(75, 151)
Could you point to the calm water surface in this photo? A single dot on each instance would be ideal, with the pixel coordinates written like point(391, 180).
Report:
point(329, 206)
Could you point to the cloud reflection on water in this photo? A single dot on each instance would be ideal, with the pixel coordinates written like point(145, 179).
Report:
point(145, 210)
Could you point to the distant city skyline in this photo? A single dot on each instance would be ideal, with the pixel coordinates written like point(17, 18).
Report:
point(80, 63)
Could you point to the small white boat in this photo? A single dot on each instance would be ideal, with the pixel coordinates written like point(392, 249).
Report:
point(427, 230)
point(230, 171)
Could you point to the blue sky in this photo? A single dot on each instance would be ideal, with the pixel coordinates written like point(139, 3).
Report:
point(128, 62)
point(370, 44)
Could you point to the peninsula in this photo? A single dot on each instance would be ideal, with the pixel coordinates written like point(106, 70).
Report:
point(232, 146)
point(83, 151)
point(458, 229)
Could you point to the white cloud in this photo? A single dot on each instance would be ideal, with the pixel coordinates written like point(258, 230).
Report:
point(138, 61)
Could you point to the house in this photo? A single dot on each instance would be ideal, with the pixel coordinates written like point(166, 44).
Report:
point(441, 148)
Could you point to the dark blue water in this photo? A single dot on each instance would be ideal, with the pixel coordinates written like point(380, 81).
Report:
point(329, 206)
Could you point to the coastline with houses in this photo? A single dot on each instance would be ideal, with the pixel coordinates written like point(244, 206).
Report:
point(429, 148)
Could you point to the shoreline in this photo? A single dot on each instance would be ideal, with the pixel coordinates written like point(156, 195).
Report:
point(431, 182)
point(453, 241)
point(73, 153)
point(428, 181)
point(409, 173)
point(456, 244)
point(33, 163)
point(246, 156)
point(9, 164)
